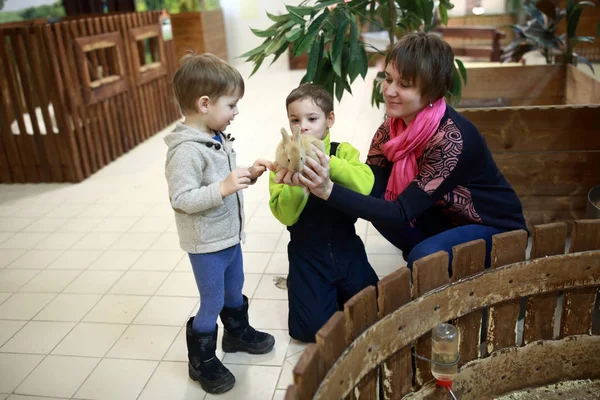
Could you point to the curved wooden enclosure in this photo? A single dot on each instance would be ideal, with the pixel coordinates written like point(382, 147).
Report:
point(368, 349)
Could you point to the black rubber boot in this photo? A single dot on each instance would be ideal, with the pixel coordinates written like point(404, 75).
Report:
point(203, 364)
point(240, 336)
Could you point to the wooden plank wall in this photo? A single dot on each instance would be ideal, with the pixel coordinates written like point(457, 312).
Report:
point(49, 130)
point(395, 376)
point(550, 155)
point(201, 32)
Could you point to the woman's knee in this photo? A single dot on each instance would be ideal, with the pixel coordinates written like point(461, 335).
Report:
point(424, 249)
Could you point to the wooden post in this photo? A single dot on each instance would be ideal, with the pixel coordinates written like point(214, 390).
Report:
point(429, 273)
point(507, 248)
point(396, 371)
point(361, 313)
point(578, 304)
point(548, 240)
point(309, 372)
point(468, 259)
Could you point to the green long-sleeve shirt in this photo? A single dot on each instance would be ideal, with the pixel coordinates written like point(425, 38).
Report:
point(287, 202)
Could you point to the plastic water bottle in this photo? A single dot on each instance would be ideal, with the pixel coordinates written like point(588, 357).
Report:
point(444, 350)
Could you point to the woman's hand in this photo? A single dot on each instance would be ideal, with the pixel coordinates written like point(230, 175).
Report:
point(316, 176)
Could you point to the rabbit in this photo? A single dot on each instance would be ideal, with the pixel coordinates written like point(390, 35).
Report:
point(292, 151)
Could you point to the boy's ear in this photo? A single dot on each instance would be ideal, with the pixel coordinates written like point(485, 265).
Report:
point(202, 104)
point(330, 119)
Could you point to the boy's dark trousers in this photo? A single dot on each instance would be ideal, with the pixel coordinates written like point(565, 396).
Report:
point(328, 265)
point(321, 279)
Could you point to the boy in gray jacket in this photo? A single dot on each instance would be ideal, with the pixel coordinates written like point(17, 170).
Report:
point(205, 193)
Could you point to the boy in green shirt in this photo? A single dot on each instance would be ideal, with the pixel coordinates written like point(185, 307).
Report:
point(328, 262)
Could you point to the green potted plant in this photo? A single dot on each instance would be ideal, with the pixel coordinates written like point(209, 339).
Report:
point(540, 32)
point(330, 32)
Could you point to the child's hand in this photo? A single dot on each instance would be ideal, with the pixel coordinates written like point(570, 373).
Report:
point(236, 180)
point(259, 167)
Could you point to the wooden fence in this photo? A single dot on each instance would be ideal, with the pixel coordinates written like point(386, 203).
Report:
point(368, 349)
point(77, 94)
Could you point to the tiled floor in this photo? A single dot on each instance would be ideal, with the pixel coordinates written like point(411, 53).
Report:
point(95, 292)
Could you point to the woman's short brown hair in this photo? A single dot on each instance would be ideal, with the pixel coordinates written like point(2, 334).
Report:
point(204, 75)
point(424, 59)
point(316, 93)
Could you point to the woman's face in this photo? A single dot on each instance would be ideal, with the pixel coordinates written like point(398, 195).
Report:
point(402, 98)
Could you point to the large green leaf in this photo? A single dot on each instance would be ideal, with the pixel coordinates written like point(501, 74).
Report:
point(573, 21)
point(301, 11)
point(313, 60)
point(257, 50)
point(338, 42)
point(462, 70)
point(443, 14)
point(278, 18)
point(294, 34)
point(354, 67)
point(313, 29)
point(264, 34)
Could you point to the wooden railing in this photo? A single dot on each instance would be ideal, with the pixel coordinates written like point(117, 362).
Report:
point(77, 94)
point(369, 348)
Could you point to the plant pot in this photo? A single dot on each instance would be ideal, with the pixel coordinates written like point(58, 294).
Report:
point(593, 205)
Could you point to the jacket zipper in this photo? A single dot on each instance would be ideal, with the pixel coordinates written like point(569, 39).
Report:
point(237, 196)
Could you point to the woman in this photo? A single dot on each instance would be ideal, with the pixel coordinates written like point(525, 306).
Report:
point(436, 184)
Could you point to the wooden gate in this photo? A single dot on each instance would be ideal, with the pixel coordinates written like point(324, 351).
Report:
point(77, 94)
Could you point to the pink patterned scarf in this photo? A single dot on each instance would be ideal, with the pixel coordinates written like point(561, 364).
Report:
point(406, 145)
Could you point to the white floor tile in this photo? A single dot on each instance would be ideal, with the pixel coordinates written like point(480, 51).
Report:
point(97, 241)
point(23, 240)
point(8, 256)
point(23, 306)
point(12, 280)
point(171, 381)
point(282, 242)
point(135, 241)
point(37, 337)
point(178, 350)
point(184, 265)
point(68, 307)
point(132, 210)
point(279, 264)
point(66, 211)
point(161, 310)
point(58, 376)
point(167, 241)
point(47, 224)
point(75, 259)
point(261, 242)
point(98, 282)
point(90, 340)
point(50, 281)
point(98, 210)
point(279, 395)
point(118, 309)
point(8, 329)
point(268, 314)
point(116, 224)
point(11, 224)
point(179, 284)
point(117, 379)
point(250, 284)
point(379, 245)
point(5, 236)
point(81, 224)
point(264, 225)
point(287, 376)
point(35, 259)
point(144, 342)
point(59, 241)
point(253, 382)
point(118, 260)
point(255, 263)
point(158, 260)
point(267, 290)
point(139, 282)
point(14, 368)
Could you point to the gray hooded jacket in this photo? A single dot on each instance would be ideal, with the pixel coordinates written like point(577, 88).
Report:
point(196, 164)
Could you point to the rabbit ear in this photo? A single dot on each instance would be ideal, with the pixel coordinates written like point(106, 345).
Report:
point(285, 136)
point(296, 134)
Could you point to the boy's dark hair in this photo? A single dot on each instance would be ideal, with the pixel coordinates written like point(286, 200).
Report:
point(424, 59)
point(316, 93)
point(204, 75)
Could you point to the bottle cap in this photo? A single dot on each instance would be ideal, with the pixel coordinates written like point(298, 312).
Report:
point(445, 384)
